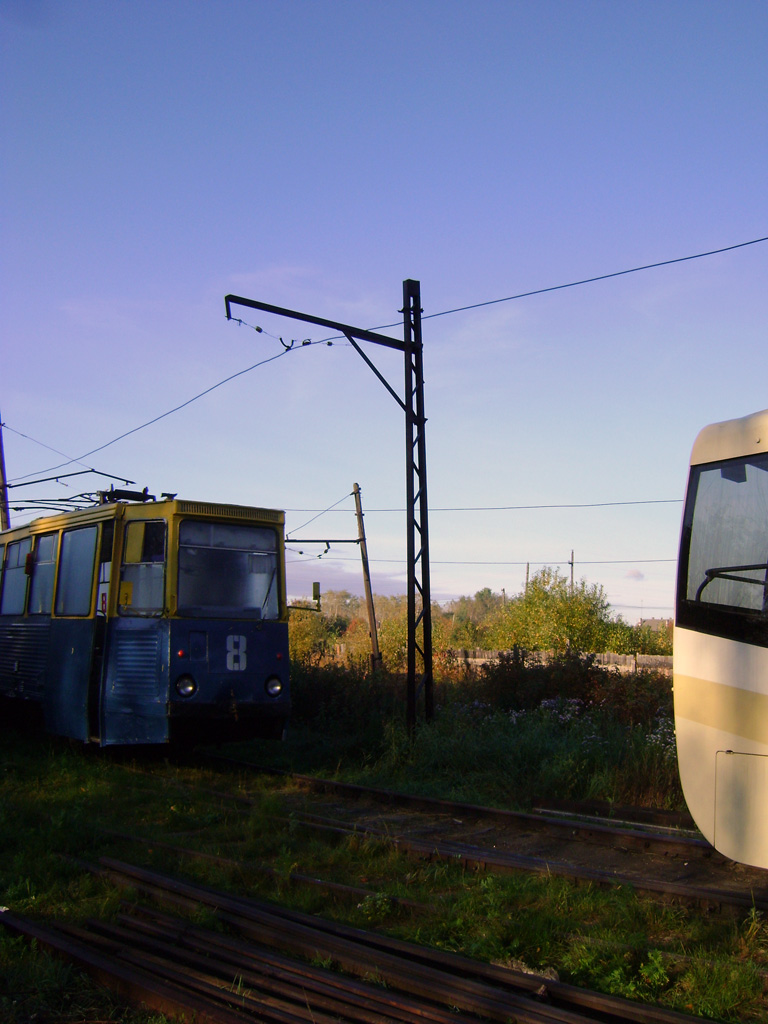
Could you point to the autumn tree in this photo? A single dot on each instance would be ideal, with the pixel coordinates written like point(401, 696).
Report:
point(467, 618)
point(553, 615)
point(308, 636)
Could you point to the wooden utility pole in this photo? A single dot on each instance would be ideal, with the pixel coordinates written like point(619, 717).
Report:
point(5, 516)
point(372, 628)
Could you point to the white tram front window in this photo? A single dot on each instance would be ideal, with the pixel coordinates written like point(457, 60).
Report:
point(727, 527)
point(227, 571)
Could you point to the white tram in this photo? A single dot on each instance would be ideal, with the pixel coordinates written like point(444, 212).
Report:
point(721, 638)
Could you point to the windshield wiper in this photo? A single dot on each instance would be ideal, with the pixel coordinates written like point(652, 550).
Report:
point(269, 591)
point(724, 572)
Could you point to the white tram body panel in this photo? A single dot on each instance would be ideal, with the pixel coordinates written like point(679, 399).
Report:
point(721, 639)
point(721, 725)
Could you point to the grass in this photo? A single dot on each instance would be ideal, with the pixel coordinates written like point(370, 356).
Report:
point(507, 735)
point(59, 801)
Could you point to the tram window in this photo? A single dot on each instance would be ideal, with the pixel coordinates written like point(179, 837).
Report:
point(73, 594)
point(142, 576)
point(107, 540)
point(145, 542)
point(728, 550)
point(43, 573)
point(227, 570)
point(15, 578)
point(105, 566)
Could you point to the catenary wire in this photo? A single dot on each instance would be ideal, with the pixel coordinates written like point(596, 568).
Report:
point(585, 280)
point(42, 444)
point(599, 277)
point(320, 512)
point(527, 561)
point(497, 508)
point(160, 417)
point(445, 312)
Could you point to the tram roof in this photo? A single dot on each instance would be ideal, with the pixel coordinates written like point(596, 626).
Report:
point(731, 439)
point(150, 510)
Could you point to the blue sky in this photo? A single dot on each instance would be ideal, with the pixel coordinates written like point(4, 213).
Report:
point(313, 154)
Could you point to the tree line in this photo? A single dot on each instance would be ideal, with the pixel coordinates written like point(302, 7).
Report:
point(550, 614)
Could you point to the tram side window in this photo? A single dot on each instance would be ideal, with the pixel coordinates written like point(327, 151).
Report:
point(105, 566)
point(43, 573)
point(142, 574)
point(78, 550)
point(15, 578)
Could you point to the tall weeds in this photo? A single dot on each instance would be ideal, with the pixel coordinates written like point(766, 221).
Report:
point(513, 732)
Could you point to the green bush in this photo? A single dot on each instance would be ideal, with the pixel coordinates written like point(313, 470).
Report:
point(511, 733)
point(516, 680)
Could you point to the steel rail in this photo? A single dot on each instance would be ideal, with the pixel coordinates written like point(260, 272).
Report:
point(354, 891)
point(267, 926)
point(636, 837)
point(417, 970)
point(279, 978)
point(476, 858)
point(611, 811)
point(232, 950)
point(158, 983)
point(497, 861)
point(135, 987)
point(205, 976)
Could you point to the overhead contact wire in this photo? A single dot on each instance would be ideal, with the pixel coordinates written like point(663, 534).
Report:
point(445, 312)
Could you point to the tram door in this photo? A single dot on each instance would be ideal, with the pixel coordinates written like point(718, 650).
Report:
point(73, 632)
point(104, 576)
point(134, 681)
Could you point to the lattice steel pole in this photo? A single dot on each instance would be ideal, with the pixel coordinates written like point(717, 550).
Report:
point(417, 541)
point(417, 510)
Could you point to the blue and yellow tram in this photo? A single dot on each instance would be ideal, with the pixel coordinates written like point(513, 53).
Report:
point(135, 622)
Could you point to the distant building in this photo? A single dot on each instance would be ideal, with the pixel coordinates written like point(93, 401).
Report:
point(656, 625)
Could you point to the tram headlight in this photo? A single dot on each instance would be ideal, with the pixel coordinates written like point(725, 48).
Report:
point(186, 686)
point(274, 686)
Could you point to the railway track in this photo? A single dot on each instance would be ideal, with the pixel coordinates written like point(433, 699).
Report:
point(269, 964)
point(667, 861)
point(671, 838)
point(258, 961)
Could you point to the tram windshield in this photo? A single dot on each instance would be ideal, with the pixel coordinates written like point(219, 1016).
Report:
point(227, 570)
point(726, 535)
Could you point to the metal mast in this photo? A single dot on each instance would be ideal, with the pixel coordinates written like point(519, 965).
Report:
point(418, 509)
point(419, 606)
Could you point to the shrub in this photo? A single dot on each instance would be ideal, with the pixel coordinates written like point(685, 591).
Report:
point(638, 698)
point(519, 680)
point(510, 733)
